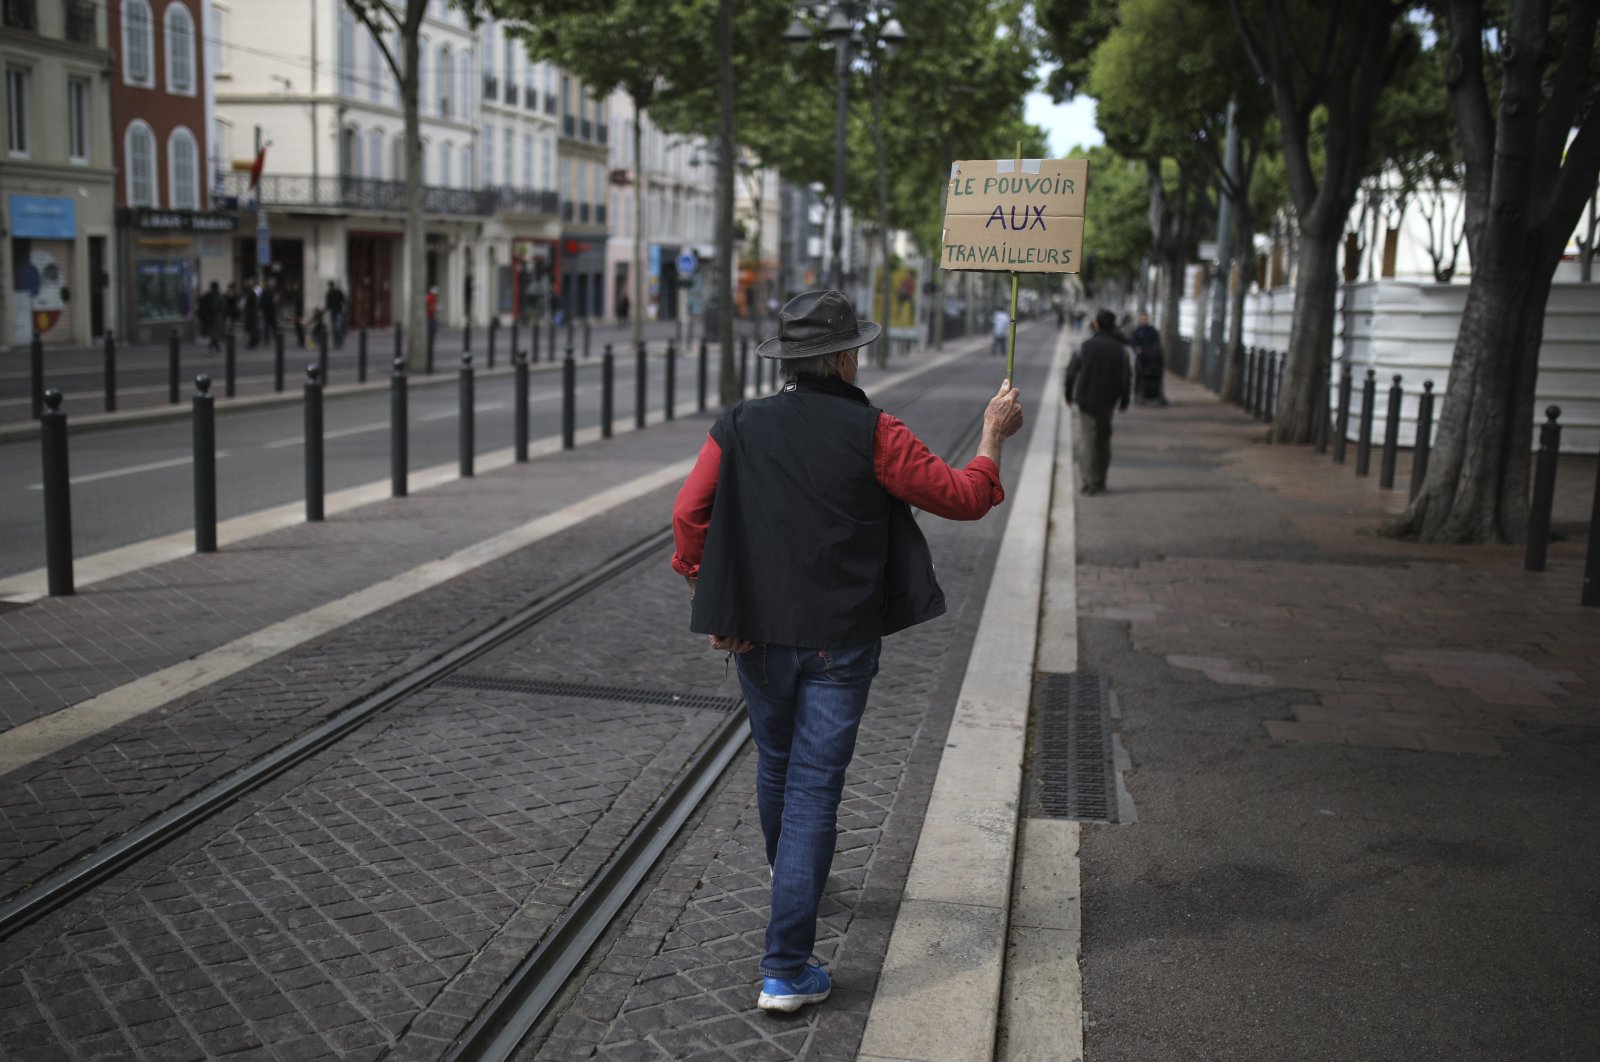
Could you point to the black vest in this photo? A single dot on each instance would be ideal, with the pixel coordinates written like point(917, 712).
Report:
point(805, 547)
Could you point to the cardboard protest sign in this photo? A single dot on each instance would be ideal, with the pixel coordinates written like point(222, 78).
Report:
point(1015, 215)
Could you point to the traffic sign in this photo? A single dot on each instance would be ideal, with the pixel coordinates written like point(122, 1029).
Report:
point(263, 240)
point(688, 262)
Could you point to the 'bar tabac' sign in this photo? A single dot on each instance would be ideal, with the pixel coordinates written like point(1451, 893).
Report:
point(1015, 215)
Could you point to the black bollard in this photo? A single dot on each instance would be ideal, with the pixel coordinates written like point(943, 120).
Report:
point(514, 351)
point(230, 366)
point(1422, 445)
point(1320, 420)
point(205, 464)
point(466, 338)
point(1591, 561)
point(1277, 382)
point(639, 387)
point(313, 444)
point(672, 379)
point(399, 457)
point(428, 367)
point(1391, 437)
point(1544, 492)
point(322, 355)
point(569, 413)
point(111, 373)
point(1245, 393)
point(1369, 398)
point(494, 327)
point(534, 336)
point(468, 428)
point(585, 339)
point(571, 343)
point(521, 406)
point(608, 384)
point(552, 340)
point(36, 374)
point(1268, 398)
point(277, 361)
point(172, 367)
point(361, 355)
point(1341, 424)
point(744, 363)
point(701, 381)
point(57, 496)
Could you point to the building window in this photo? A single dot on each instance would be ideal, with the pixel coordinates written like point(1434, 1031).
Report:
point(217, 42)
point(140, 150)
point(377, 69)
point(506, 162)
point(444, 78)
point(488, 155)
point(350, 152)
point(347, 53)
point(469, 178)
point(375, 154)
point(549, 163)
point(444, 164)
point(398, 170)
point(527, 161)
point(19, 82)
point(78, 119)
point(138, 44)
point(183, 170)
point(180, 50)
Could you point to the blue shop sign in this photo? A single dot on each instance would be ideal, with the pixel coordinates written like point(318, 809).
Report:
point(40, 217)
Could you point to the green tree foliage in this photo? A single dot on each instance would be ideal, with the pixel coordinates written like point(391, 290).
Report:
point(1116, 228)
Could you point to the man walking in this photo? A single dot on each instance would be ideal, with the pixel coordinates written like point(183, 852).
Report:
point(333, 304)
point(1002, 331)
point(1149, 364)
point(1098, 380)
point(795, 535)
point(212, 316)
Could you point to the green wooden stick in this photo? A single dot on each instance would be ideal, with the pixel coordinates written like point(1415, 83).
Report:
point(1011, 345)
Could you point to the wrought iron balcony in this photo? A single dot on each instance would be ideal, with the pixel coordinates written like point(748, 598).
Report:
point(525, 201)
point(357, 193)
point(22, 14)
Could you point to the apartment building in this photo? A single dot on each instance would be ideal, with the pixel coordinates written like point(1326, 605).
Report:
point(57, 175)
point(170, 244)
point(679, 223)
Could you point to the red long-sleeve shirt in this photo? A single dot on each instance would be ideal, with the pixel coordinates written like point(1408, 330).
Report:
point(904, 466)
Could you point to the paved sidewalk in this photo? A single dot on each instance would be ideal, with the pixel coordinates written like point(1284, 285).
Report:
point(1365, 769)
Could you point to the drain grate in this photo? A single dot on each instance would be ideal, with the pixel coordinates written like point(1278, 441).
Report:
point(1077, 768)
point(589, 692)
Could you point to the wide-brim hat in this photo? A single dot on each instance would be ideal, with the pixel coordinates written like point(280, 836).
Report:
point(817, 322)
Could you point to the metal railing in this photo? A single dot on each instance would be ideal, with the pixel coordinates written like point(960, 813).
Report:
point(22, 14)
point(357, 193)
point(524, 201)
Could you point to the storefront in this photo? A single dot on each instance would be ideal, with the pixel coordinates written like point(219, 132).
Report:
point(374, 260)
point(581, 290)
point(170, 256)
point(44, 232)
point(527, 284)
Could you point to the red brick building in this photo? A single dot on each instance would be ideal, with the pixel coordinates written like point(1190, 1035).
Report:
point(169, 242)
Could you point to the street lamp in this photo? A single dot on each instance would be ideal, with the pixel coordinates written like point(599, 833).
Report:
point(844, 24)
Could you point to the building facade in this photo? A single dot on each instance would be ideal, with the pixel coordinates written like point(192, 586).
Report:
point(57, 176)
point(170, 243)
point(583, 162)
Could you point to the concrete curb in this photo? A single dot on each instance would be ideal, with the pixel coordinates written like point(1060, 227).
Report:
point(939, 996)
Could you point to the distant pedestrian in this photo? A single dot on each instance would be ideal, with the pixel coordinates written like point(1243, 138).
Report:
point(1149, 364)
point(267, 302)
point(334, 304)
point(795, 535)
point(212, 316)
point(1002, 331)
point(231, 307)
point(431, 304)
point(1098, 381)
point(251, 304)
point(624, 304)
point(296, 300)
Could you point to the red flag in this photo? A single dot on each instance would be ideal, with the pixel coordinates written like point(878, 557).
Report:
point(255, 170)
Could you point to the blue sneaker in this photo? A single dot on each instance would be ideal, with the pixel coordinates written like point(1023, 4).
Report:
point(789, 994)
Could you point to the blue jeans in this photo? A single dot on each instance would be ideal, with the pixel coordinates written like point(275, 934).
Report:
point(805, 706)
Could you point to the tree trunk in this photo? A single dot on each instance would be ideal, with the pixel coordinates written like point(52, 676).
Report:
point(725, 153)
point(1310, 337)
point(1171, 287)
point(1233, 345)
point(416, 337)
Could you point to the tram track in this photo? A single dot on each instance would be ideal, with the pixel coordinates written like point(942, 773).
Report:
point(508, 1016)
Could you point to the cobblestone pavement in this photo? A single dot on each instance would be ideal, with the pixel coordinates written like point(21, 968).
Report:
point(678, 976)
point(1359, 764)
point(370, 900)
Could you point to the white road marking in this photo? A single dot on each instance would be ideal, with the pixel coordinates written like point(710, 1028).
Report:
point(337, 433)
point(446, 414)
point(150, 466)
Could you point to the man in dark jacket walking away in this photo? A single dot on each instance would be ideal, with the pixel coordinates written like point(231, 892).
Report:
point(1150, 365)
point(801, 554)
point(1099, 379)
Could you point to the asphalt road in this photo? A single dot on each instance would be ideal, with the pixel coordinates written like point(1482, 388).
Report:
point(131, 484)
